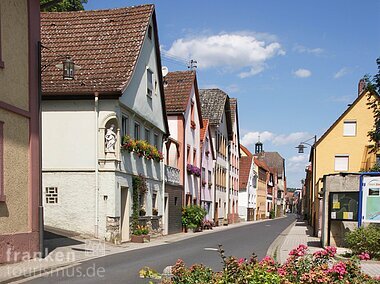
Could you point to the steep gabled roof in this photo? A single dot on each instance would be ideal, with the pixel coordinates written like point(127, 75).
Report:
point(106, 44)
point(361, 95)
point(205, 128)
point(275, 161)
point(214, 104)
point(235, 117)
point(261, 163)
point(244, 169)
point(245, 150)
point(178, 87)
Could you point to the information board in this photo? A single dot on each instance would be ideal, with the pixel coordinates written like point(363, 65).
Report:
point(371, 199)
point(344, 206)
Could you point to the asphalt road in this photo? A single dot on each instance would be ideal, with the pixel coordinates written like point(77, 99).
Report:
point(124, 267)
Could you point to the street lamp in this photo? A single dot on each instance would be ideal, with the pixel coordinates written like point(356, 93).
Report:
point(68, 68)
point(301, 148)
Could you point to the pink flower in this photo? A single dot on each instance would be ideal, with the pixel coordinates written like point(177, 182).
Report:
point(364, 256)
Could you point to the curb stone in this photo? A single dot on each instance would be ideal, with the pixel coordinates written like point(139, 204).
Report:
point(277, 243)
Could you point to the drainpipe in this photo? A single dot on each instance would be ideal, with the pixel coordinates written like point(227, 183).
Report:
point(96, 112)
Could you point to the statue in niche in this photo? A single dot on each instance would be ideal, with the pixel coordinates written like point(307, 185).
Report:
point(110, 138)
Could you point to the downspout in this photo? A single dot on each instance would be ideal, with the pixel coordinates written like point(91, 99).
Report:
point(96, 112)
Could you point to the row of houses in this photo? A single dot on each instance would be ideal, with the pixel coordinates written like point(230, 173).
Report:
point(111, 115)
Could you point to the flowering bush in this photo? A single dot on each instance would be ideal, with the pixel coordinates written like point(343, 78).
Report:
point(193, 170)
point(300, 267)
point(364, 240)
point(140, 230)
point(142, 148)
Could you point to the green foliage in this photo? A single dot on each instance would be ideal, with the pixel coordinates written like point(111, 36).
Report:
point(365, 240)
point(140, 230)
point(192, 216)
point(62, 6)
point(139, 187)
point(373, 88)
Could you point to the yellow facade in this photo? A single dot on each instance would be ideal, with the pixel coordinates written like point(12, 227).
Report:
point(334, 143)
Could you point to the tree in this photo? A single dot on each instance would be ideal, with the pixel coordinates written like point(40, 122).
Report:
point(62, 5)
point(373, 89)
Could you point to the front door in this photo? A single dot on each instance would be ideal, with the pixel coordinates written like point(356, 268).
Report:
point(124, 218)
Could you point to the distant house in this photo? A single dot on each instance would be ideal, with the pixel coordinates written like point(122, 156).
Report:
point(216, 108)
point(208, 157)
point(277, 165)
point(344, 147)
point(248, 180)
point(264, 184)
point(234, 163)
point(20, 166)
point(106, 127)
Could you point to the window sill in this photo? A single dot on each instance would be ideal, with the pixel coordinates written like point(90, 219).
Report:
point(2, 198)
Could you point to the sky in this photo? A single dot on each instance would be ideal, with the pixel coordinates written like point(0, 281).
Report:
point(293, 65)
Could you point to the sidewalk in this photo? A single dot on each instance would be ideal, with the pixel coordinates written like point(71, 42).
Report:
point(66, 252)
point(300, 233)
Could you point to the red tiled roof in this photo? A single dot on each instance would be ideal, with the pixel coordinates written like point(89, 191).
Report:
point(204, 129)
point(105, 44)
point(261, 164)
point(178, 87)
point(244, 169)
point(246, 151)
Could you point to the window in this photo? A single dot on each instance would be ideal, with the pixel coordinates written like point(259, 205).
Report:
point(51, 195)
point(150, 30)
point(203, 173)
point(124, 125)
point(2, 195)
point(156, 141)
point(195, 157)
point(175, 201)
point(149, 83)
point(188, 154)
point(147, 135)
point(349, 128)
point(341, 163)
point(137, 131)
point(209, 177)
point(154, 200)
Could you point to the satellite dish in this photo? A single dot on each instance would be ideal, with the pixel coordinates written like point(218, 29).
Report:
point(165, 71)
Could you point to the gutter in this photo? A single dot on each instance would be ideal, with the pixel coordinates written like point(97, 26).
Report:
point(96, 113)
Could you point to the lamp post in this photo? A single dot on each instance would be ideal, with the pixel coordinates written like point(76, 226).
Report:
point(301, 148)
point(68, 68)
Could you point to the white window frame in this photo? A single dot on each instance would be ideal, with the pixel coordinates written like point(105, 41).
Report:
point(149, 82)
point(147, 135)
point(349, 128)
point(124, 125)
point(339, 163)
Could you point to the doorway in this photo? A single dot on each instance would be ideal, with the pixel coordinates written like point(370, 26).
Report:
point(124, 218)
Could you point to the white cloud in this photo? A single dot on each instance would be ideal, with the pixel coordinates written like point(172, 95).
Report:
point(297, 163)
point(229, 51)
point(251, 138)
point(342, 72)
point(302, 49)
point(302, 73)
point(291, 138)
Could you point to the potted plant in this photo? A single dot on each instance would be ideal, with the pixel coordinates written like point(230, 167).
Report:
point(140, 235)
point(209, 184)
point(142, 212)
point(192, 217)
point(193, 124)
point(204, 182)
point(155, 212)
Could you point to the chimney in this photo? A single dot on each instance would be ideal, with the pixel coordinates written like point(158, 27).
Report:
point(361, 86)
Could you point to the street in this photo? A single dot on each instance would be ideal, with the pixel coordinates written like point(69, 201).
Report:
point(124, 267)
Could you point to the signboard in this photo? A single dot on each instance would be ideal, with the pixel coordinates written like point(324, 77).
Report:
point(370, 191)
point(344, 206)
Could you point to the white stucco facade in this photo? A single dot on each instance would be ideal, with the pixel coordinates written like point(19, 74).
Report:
point(93, 184)
point(248, 196)
point(207, 183)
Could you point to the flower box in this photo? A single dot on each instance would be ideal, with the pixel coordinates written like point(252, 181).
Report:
point(204, 182)
point(193, 125)
point(140, 238)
